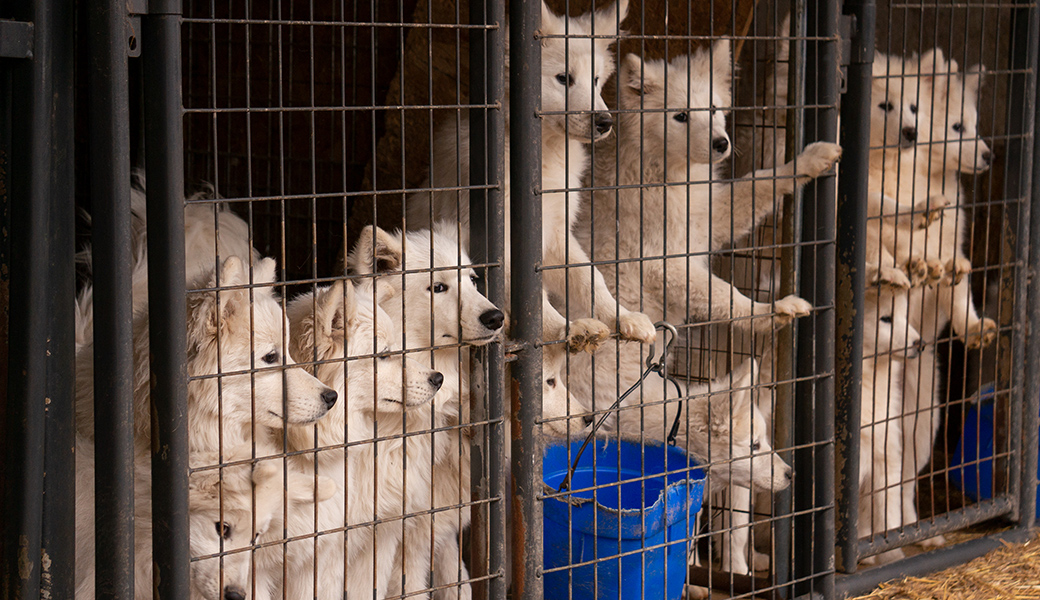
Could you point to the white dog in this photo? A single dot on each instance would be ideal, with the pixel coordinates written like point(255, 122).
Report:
point(574, 70)
point(436, 282)
point(230, 509)
point(359, 444)
point(956, 149)
point(679, 212)
point(888, 340)
point(429, 276)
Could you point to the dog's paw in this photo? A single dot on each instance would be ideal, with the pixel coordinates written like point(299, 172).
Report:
point(636, 327)
point(736, 564)
point(791, 307)
point(930, 211)
point(817, 159)
point(956, 269)
point(917, 270)
point(586, 335)
point(889, 277)
point(981, 334)
point(935, 542)
point(936, 271)
point(696, 592)
point(759, 560)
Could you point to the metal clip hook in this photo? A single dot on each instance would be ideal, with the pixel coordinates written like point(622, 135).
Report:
point(667, 328)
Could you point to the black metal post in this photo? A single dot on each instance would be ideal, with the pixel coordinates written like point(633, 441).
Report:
point(526, 219)
point(39, 537)
point(813, 560)
point(113, 328)
point(487, 245)
point(164, 167)
point(1031, 311)
point(851, 257)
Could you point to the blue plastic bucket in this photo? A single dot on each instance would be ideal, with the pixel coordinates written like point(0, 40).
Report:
point(647, 509)
point(971, 466)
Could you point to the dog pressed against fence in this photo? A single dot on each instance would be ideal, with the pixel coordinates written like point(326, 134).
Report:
point(361, 372)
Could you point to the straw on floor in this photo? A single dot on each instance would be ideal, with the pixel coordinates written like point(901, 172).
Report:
point(1008, 573)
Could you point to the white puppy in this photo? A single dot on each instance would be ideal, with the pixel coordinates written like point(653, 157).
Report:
point(574, 69)
point(363, 443)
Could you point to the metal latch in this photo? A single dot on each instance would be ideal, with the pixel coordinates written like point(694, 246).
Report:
point(16, 39)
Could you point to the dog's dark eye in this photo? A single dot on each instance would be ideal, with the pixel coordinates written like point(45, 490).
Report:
point(886, 106)
point(551, 382)
point(385, 354)
point(957, 127)
point(885, 319)
point(565, 79)
point(913, 108)
point(474, 278)
point(438, 288)
point(681, 117)
point(271, 357)
point(223, 530)
point(755, 446)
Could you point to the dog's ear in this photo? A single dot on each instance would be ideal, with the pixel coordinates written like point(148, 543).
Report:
point(635, 76)
point(376, 251)
point(973, 79)
point(550, 25)
point(231, 274)
point(607, 20)
point(722, 70)
point(264, 270)
point(330, 310)
point(935, 71)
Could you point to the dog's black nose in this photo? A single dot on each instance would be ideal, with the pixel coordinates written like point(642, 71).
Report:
point(436, 380)
point(603, 123)
point(987, 157)
point(787, 474)
point(329, 397)
point(910, 134)
point(493, 319)
point(720, 145)
point(231, 593)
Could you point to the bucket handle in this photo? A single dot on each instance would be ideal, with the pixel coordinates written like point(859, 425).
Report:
point(651, 367)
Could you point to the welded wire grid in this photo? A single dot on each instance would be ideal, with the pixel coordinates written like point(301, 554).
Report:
point(937, 427)
point(311, 121)
point(715, 339)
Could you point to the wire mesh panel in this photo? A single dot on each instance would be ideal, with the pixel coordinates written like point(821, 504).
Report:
point(312, 124)
point(940, 390)
point(617, 228)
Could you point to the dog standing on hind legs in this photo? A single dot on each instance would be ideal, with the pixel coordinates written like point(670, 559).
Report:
point(574, 69)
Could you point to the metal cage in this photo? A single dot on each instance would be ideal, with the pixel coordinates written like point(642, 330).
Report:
point(368, 414)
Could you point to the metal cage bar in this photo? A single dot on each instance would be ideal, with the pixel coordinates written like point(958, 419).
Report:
point(39, 432)
point(526, 217)
point(113, 315)
point(850, 284)
point(814, 457)
point(164, 164)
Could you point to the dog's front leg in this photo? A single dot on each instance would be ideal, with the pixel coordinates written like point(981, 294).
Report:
point(735, 530)
point(581, 334)
point(743, 204)
point(957, 300)
point(712, 298)
point(588, 294)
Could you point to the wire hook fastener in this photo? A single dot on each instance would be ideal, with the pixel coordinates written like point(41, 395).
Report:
point(661, 366)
